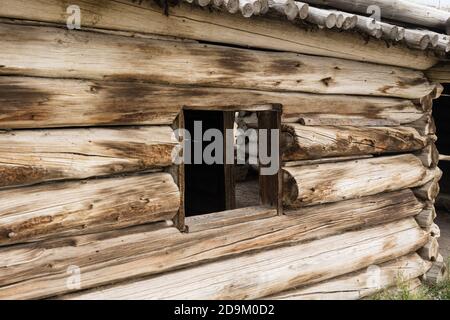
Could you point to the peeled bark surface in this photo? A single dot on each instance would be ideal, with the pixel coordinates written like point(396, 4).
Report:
point(70, 208)
point(269, 272)
point(30, 102)
point(191, 22)
point(362, 283)
point(50, 53)
point(398, 10)
point(111, 257)
point(33, 156)
point(330, 182)
point(307, 142)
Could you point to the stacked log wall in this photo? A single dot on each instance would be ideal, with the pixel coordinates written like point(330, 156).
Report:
point(86, 156)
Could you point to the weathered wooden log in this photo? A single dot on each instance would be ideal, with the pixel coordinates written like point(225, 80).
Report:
point(133, 252)
point(436, 274)
point(350, 21)
point(330, 182)
point(416, 39)
point(428, 191)
point(232, 6)
point(70, 208)
point(400, 10)
point(195, 64)
point(390, 32)
point(325, 160)
point(269, 272)
point(425, 125)
point(429, 155)
point(369, 26)
point(426, 217)
point(323, 18)
point(249, 7)
point(308, 142)
point(444, 43)
point(430, 251)
point(288, 8)
point(190, 22)
point(40, 102)
point(435, 231)
point(303, 10)
point(362, 283)
point(31, 156)
point(229, 217)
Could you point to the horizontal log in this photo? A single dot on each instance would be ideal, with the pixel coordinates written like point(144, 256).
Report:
point(307, 142)
point(33, 156)
point(111, 257)
point(400, 10)
point(362, 283)
point(425, 125)
point(192, 22)
point(324, 160)
point(228, 217)
point(429, 155)
point(428, 191)
point(49, 53)
point(430, 251)
point(70, 208)
point(439, 73)
point(330, 182)
point(28, 102)
point(268, 272)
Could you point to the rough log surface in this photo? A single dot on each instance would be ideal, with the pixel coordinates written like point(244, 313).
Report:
point(307, 142)
point(192, 22)
point(49, 53)
point(269, 272)
point(32, 156)
point(362, 283)
point(29, 102)
point(114, 256)
point(70, 208)
point(330, 182)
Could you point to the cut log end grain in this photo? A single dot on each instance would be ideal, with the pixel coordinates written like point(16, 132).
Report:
point(437, 273)
point(430, 251)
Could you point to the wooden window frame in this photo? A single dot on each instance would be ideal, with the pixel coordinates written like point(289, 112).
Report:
point(270, 187)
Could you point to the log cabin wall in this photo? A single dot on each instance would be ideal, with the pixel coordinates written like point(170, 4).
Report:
point(86, 172)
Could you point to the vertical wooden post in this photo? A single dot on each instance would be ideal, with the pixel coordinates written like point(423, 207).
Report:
point(179, 219)
point(270, 186)
point(230, 183)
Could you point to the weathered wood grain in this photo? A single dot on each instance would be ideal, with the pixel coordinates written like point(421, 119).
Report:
point(261, 274)
point(362, 283)
point(193, 22)
point(70, 208)
point(112, 257)
point(330, 182)
point(30, 102)
point(50, 53)
point(311, 142)
point(430, 250)
point(32, 156)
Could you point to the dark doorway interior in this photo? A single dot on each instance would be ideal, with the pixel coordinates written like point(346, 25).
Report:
point(441, 115)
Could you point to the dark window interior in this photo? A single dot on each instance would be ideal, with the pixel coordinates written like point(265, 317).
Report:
point(204, 184)
point(219, 187)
